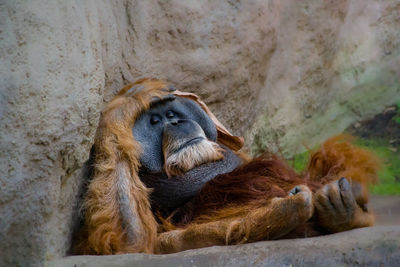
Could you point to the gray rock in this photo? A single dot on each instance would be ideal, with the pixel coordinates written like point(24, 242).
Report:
point(282, 74)
point(374, 246)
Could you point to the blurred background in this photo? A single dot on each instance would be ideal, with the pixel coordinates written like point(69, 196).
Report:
point(286, 75)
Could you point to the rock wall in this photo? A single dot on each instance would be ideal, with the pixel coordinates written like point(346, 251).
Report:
point(282, 74)
point(377, 246)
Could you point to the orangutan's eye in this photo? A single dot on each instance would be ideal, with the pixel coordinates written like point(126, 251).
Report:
point(154, 119)
point(170, 114)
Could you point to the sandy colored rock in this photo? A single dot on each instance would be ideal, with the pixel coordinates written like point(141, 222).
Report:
point(374, 246)
point(280, 73)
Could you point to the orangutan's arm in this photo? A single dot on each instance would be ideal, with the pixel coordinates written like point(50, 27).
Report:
point(277, 218)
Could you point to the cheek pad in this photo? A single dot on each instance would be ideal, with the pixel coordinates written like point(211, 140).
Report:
point(196, 113)
point(150, 139)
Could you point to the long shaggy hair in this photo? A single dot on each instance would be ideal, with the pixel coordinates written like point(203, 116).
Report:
point(269, 176)
point(234, 206)
point(116, 175)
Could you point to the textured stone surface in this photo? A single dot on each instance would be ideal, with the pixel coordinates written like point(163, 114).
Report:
point(281, 73)
point(386, 209)
point(376, 246)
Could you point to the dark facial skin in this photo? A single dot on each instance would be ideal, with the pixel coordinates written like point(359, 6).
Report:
point(183, 119)
point(180, 118)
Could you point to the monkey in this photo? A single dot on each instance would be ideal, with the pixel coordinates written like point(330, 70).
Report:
point(167, 176)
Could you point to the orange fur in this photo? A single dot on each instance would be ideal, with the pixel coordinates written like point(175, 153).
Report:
point(242, 206)
point(115, 146)
point(249, 204)
point(338, 157)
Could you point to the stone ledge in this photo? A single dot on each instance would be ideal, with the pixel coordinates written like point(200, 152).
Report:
point(373, 246)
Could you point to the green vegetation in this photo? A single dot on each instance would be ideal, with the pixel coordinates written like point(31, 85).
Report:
point(389, 175)
point(300, 161)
